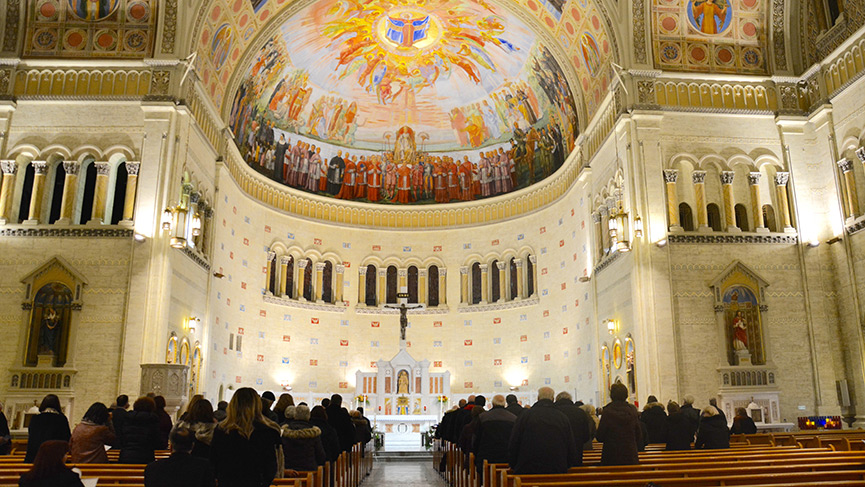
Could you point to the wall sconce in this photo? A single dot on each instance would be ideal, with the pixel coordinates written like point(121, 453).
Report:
point(612, 326)
point(286, 386)
point(191, 323)
point(638, 227)
point(174, 220)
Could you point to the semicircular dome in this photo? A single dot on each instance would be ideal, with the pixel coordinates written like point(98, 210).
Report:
point(404, 101)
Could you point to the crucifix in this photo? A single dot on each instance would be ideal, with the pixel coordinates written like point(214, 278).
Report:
point(403, 312)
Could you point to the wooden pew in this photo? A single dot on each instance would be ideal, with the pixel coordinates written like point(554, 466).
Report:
point(788, 479)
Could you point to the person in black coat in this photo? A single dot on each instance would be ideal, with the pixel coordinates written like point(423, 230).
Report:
point(713, 433)
point(541, 441)
point(118, 412)
point(493, 433)
point(338, 417)
point(329, 438)
point(5, 434)
point(619, 429)
point(679, 435)
point(139, 436)
point(579, 421)
point(49, 424)
point(655, 419)
point(49, 468)
point(742, 423)
point(690, 413)
point(714, 403)
point(301, 442)
point(513, 406)
point(181, 469)
point(449, 421)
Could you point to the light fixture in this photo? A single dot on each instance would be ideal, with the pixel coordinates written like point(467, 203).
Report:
point(612, 326)
point(286, 387)
point(661, 243)
point(513, 388)
point(190, 323)
point(814, 243)
point(638, 227)
point(174, 221)
point(196, 224)
point(834, 240)
point(167, 218)
point(585, 279)
point(139, 237)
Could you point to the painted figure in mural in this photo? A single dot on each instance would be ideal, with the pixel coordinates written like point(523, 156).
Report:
point(93, 9)
point(740, 332)
point(334, 173)
point(405, 148)
point(709, 15)
point(279, 159)
point(49, 331)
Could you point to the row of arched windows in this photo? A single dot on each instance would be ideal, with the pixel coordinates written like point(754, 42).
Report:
point(304, 276)
point(505, 278)
point(381, 284)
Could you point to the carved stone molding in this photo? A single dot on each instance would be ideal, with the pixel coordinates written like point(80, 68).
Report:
point(67, 232)
point(607, 262)
point(779, 41)
point(596, 217)
point(293, 303)
point(699, 177)
point(781, 178)
point(169, 27)
point(754, 178)
point(13, 16)
point(9, 167)
point(638, 8)
point(732, 239)
point(132, 168)
point(671, 175)
point(502, 305)
point(271, 255)
point(284, 260)
point(727, 177)
point(845, 165)
point(196, 257)
point(71, 167)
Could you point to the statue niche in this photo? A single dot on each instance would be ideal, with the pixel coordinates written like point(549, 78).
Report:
point(402, 382)
point(738, 306)
point(50, 318)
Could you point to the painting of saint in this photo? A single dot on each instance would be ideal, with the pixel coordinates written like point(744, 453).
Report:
point(742, 312)
point(740, 332)
point(710, 16)
point(221, 45)
point(93, 10)
point(49, 323)
point(591, 55)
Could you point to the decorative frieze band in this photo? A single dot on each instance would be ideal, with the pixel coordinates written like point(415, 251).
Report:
point(733, 239)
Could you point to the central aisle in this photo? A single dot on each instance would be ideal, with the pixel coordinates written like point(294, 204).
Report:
point(404, 474)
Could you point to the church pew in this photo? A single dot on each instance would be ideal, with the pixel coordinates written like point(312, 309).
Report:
point(788, 479)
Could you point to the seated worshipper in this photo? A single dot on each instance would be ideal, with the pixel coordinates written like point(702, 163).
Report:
point(181, 469)
point(164, 420)
point(579, 423)
point(742, 423)
point(329, 438)
point(679, 435)
point(139, 436)
point(713, 432)
point(219, 414)
point(655, 419)
point(200, 420)
point(92, 434)
point(301, 442)
point(49, 468)
point(493, 433)
point(513, 406)
point(541, 441)
point(619, 429)
point(49, 424)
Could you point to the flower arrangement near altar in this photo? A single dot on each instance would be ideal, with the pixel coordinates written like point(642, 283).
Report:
point(442, 399)
point(362, 399)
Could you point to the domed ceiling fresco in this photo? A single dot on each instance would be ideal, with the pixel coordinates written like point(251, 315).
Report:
point(404, 101)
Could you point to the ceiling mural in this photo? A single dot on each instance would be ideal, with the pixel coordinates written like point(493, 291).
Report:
point(459, 96)
point(724, 36)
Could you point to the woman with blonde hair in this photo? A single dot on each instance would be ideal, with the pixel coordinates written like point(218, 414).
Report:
point(246, 450)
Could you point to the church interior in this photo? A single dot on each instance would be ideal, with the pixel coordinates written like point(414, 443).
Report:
point(408, 202)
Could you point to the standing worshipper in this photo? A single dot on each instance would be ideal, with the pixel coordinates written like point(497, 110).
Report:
point(655, 419)
point(267, 399)
point(679, 435)
point(118, 412)
point(181, 469)
point(199, 419)
point(619, 429)
point(541, 441)
point(513, 406)
point(338, 417)
point(713, 433)
point(301, 442)
point(329, 438)
point(164, 422)
point(492, 434)
point(139, 435)
point(578, 420)
point(49, 424)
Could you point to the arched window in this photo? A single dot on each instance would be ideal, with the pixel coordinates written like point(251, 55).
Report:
point(476, 283)
point(289, 278)
point(714, 216)
point(530, 273)
point(514, 277)
point(271, 283)
point(741, 217)
point(433, 286)
point(769, 218)
point(119, 194)
point(495, 289)
point(391, 281)
point(412, 284)
point(327, 283)
point(26, 192)
point(370, 298)
point(307, 280)
point(57, 193)
point(686, 218)
point(89, 193)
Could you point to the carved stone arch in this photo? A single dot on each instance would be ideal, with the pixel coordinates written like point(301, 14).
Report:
point(739, 303)
point(279, 248)
point(713, 161)
point(24, 152)
point(84, 152)
point(432, 260)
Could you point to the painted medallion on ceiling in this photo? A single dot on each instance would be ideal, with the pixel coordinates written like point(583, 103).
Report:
point(404, 102)
point(725, 36)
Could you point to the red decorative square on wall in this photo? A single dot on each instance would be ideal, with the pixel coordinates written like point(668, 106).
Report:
point(468, 385)
point(561, 243)
point(572, 212)
point(262, 313)
point(376, 248)
point(316, 241)
point(525, 382)
point(575, 257)
point(286, 338)
point(231, 255)
point(237, 379)
point(228, 301)
point(564, 286)
point(577, 302)
point(246, 242)
point(544, 271)
point(267, 229)
point(496, 321)
point(346, 264)
point(437, 324)
point(343, 385)
point(314, 321)
point(343, 343)
point(242, 285)
point(259, 358)
point(467, 343)
point(524, 338)
point(240, 331)
point(437, 363)
point(543, 230)
point(373, 365)
point(437, 248)
point(567, 379)
point(546, 313)
point(590, 374)
point(408, 344)
point(495, 242)
point(313, 362)
point(376, 324)
point(564, 331)
point(497, 361)
point(546, 357)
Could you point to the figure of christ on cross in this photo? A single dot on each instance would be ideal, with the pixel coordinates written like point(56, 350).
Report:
point(403, 315)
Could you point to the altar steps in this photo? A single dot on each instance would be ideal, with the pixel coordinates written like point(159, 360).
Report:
point(403, 456)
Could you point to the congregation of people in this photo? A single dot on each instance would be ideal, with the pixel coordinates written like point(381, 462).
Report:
point(247, 442)
point(550, 436)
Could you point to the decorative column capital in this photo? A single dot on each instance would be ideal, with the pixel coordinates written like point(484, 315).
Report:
point(71, 167)
point(9, 166)
point(754, 178)
point(361, 271)
point(302, 264)
point(271, 255)
point(611, 203)
point(860, 153)
point(464, 270)
point(132, 168)
point(518, 263)
point(596, 216)
point(421, 272)
point(671, 175)
point(208, 213)
point(284, 260)
point(484, 267)
point(382, 272)
point(443, 272)
point(194, 197)
point(533, 259)
point(501, 265)
point(603, 211)
point(39, 167)
point(845, 165)
point(402, 272)
point(103, 168)
point(727, 177)
point(319, 266)
point(698, 177)
point(781, 178)
point(340, 269)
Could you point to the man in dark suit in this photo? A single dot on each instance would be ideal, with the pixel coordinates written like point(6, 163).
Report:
point(181, 469)
point(541, 440)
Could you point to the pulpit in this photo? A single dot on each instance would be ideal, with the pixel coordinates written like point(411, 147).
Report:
point(168, 381)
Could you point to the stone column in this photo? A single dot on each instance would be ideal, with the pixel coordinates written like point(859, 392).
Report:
point(485, 283)
point(464, 285)
point(402, 282)
point(381, 295)
point(520, 278)
point(100, 199)
point(421, 286)
point(361, 286)
point(10, 169)
point(599, 239)
point(443, 295)
point(729, 210)
point(534, 260)
point(131, 188)
point(503, 281)
point(756, 209)
point(699, 179)
point(271, 256)
point(283, 273)
point(70, 189)
point(301, 278)
point(339, 285)
point(852, 202)
point(319, 281)
point(39, 170)
point(670, 178)
point(604, 233)
point(781, 179)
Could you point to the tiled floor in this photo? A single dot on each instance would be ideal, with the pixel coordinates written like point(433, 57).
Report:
point(404, 474)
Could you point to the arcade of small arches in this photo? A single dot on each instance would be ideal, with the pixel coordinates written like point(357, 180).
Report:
point(510, 277)
point(293, 274)
point(381, 281)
